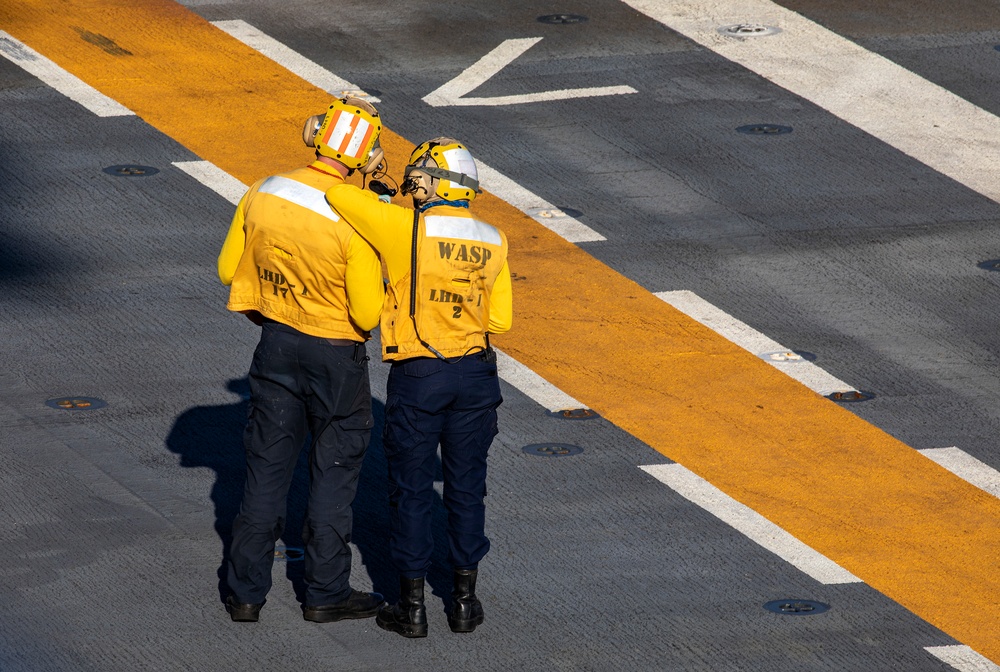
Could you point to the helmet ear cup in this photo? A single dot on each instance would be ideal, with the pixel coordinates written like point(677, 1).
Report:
point(311, 128)
point(376, 157)
point(418, 184)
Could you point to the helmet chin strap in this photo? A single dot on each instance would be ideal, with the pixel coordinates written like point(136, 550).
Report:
point(426, 205)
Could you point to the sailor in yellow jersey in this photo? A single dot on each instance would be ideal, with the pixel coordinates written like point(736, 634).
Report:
point(315, 288)
point(449, 288)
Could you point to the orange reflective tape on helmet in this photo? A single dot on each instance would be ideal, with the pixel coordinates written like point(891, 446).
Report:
point(348, 132)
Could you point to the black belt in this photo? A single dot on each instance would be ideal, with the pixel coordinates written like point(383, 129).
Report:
point(359, 347)
point(360, 353)
point(341, 341)
point(487, 355)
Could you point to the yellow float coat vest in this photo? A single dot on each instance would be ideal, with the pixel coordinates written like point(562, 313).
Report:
point(458, 260)
point(294, 266)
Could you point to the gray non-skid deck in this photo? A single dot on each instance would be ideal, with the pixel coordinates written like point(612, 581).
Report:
point(114, 519)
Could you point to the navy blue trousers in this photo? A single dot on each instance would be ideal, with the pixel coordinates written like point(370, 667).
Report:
point(301, 385)
point(430, 402)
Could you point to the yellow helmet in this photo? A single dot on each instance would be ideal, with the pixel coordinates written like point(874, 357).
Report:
point(348, 132)
point(442, 168)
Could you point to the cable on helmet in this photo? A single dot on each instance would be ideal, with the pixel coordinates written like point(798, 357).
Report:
point(378, 184)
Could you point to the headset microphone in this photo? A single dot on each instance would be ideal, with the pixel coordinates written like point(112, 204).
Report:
point(410, 186)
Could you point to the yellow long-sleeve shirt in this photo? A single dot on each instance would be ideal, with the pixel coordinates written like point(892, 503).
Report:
point(389, 229)
point(289, 257)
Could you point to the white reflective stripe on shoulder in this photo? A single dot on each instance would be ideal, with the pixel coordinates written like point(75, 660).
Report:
point(462, 228)
point(300, 194)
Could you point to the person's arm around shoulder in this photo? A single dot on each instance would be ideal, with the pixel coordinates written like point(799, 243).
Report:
point(501, 303)
point(381, 224)
point(363, 279)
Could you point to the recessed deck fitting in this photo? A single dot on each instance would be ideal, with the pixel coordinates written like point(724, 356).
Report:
point(764, 129)
point(850, 396)
point(552, 449)
point(574, 414)
point(797, 607)
point(749, 30)
point(548, 214)
point(562, 19)
point(76, 403)
point(288, 553)
point(131, 171)
point(991, 265)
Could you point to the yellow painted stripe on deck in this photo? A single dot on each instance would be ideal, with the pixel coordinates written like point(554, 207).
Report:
point(893, 518)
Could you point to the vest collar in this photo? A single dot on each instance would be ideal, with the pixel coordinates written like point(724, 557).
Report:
point(454, 204)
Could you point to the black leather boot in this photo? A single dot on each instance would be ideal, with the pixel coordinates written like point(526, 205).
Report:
point(408, 617)
point(466, 611)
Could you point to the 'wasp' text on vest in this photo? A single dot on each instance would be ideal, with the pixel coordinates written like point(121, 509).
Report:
point(462, 252)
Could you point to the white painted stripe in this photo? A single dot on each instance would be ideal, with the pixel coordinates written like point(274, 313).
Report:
point(68, 85)
point(302, 195)
point(525, 201)
point(966, 467)
point(311, 72)
point(453, 92)
point(749, 339)
point(461, 228)
point(750, 523)
point(214, 178)
point(535, 387)
point(917, 117)
point(543, 96)
point(962, 658)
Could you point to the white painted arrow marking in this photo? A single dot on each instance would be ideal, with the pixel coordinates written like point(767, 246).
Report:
point(452, 93)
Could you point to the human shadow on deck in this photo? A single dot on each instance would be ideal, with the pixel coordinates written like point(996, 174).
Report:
point(212, 436)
